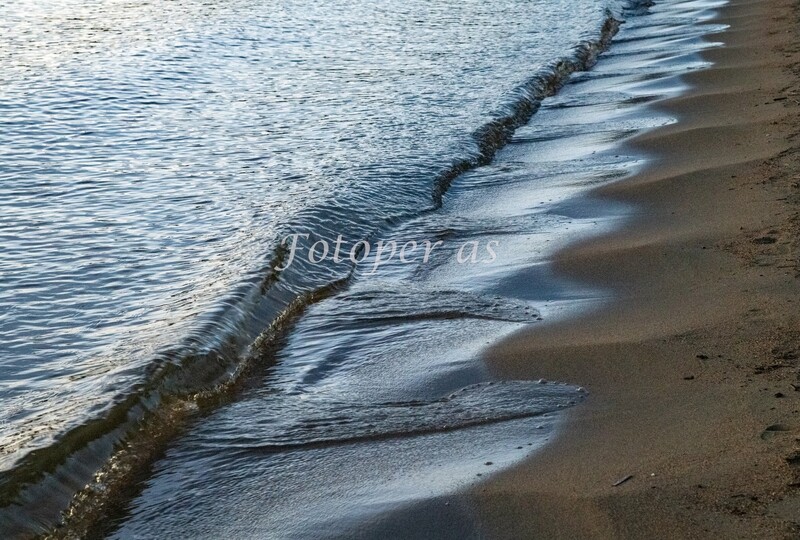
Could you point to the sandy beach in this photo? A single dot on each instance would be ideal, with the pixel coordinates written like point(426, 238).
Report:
point(693, 372)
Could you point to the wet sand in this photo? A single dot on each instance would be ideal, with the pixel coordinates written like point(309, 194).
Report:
point(693, 372)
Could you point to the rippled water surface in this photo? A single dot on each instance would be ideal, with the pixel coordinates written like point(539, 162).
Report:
point(152, 151)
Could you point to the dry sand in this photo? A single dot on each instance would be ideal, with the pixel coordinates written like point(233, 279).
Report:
point(693, 373)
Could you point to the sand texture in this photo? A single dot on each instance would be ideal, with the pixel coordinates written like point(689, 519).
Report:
point(693, 372)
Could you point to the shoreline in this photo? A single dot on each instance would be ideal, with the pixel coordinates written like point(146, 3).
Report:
point(690, 372)
point(115, 473)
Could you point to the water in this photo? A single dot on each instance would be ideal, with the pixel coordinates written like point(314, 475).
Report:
point(154, 152)
point(154, 155)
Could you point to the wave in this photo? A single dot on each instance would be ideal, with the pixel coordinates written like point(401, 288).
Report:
point(494, 135)
point(297, 422)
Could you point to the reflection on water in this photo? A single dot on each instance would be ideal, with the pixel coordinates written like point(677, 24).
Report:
point(153, 152)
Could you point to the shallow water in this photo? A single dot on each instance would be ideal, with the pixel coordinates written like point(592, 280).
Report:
point(153, 156)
